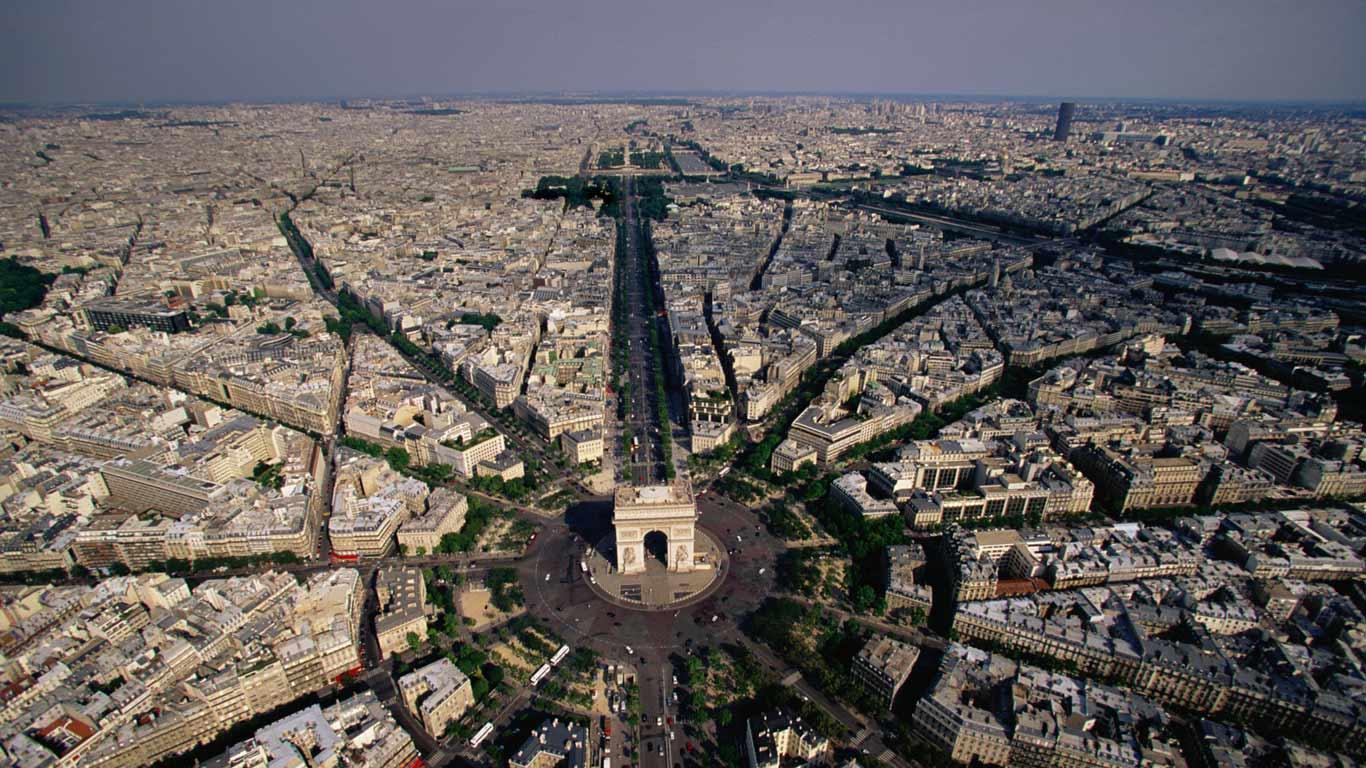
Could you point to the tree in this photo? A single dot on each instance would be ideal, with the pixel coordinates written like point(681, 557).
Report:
point(479, 687)
point(863, 599)
point(694, 668)
point(398, 458)
point(414, 642)
point(21, 286)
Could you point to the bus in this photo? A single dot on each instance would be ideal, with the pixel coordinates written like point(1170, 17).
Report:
point(540, 674)
point(481, 734)
point(559, 655)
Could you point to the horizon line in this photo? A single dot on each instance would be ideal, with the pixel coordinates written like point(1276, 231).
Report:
point(589, 95)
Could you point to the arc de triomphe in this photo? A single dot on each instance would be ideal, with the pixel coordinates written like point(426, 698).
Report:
point(639, 511)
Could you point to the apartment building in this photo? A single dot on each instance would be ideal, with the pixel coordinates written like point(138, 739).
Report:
point(438, 694)
point(790, 456)
point(582, 446)
point(138, 485)
point(445, 514)
point(134, 541)
point(1138, 481)
point(465, 456)
point(851, 490)
point(117, 313)
point(883, 665)
point(831, 431)
point(553, 744)
point(402, 598)
point(904, 590)
point(777, 735)
point(369, 503)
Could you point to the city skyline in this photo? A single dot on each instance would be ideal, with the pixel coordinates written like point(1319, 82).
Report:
point(611, 385)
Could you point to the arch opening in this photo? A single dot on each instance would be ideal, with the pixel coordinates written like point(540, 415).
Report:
point(657, 546)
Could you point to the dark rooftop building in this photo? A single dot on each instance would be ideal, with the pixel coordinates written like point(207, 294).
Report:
point(554, 742)
point(153, 313)
point(1064, 129)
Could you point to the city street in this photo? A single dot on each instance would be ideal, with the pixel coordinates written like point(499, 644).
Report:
point(646, 453)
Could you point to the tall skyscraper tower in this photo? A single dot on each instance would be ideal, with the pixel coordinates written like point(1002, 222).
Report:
point(1065, 111)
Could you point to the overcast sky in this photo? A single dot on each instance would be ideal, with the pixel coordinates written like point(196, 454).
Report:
point(153, 50)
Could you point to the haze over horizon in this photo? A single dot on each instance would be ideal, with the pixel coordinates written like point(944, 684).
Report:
point(253, 50)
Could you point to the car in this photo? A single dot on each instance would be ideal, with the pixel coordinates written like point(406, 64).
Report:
point(547, 577)
point(675, 679)
point(671, 721)
point(650, 747)
point(629, 651)
point(659, 722)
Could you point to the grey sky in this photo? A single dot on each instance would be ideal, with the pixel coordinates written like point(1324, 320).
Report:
point(131, 50)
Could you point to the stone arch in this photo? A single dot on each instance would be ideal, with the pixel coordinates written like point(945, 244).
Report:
point(666, 512)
